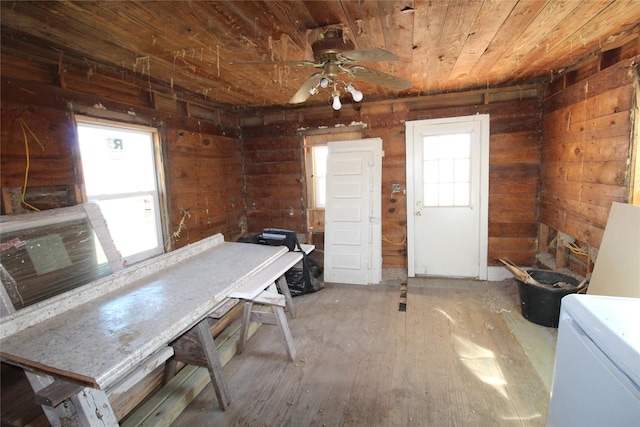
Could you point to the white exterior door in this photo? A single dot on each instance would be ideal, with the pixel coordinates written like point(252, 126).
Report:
point(447, 196)
point(353, 230)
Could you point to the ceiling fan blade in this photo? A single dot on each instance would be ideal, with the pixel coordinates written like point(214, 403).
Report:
point(370, 54)
point(303, 93)
point(299, 63)
point(379, 78)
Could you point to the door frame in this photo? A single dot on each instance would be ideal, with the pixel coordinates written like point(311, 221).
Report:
point(411, 164)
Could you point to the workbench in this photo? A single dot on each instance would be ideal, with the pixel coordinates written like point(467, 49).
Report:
point(95, 336)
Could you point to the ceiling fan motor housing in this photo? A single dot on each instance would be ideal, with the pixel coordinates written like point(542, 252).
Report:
point(329, 45)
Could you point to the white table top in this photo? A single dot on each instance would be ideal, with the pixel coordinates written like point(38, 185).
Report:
point(101, 340)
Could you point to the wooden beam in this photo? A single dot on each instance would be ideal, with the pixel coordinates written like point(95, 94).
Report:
point(6, 201)
point(561, 254)
point(543, 238)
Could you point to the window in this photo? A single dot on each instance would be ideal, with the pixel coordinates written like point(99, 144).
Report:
point(319, 175)
point(447, 170)
point(120, 174)
point(315, 165)
point(315, 144)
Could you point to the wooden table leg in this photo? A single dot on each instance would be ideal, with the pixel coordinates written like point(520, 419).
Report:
point(284, 288)
point(246, 320)
point(197, 347)
point(276, 317)
point(281, 320)
point(213, 364)
point(71, 404)
point(75, 405)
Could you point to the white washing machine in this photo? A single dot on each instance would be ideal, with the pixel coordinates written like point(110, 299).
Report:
point(596, 378)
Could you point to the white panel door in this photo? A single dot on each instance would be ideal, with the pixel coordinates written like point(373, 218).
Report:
point(447, 162)
point(353, 210)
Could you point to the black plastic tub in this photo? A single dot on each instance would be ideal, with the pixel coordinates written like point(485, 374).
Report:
point(541, 304)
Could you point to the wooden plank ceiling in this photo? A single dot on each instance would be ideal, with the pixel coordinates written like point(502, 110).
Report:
point(245, 53)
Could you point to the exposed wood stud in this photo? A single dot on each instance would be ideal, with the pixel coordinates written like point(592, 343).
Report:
point(561, 254)
point(543, 238)
point(6, 201)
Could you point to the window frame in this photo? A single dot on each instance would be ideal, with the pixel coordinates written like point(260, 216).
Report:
point(314, 215)
point(312, 176)
point(160, 193)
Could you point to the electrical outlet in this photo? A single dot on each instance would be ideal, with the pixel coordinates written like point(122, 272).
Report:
point(395, 188)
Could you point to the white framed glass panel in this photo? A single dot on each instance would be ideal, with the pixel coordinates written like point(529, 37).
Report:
point(430, 171)
point(461, 194)
point(462, 170)
point(319, 154)
point(447, 170)
point(119, 167)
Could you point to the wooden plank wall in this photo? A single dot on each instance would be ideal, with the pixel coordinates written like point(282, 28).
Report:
point(201, 148)
point(274, 167)
point(273, 177)
point(200, 142)
point(586, 152)
point(205, 177)
point(48, 158)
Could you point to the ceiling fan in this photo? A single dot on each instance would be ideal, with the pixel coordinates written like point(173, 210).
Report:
point(335, 55)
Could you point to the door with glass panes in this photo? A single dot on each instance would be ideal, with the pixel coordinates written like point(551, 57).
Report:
point(447, 196)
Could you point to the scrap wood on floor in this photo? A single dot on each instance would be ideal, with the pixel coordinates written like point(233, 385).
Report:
point(449, 359)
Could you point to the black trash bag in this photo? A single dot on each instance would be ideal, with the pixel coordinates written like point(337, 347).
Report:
point(316, 269)
point(288, 238)
point(295, 279)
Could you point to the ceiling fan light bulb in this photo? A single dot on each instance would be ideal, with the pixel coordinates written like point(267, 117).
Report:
point(355, 93)
point(324, 83)
point(336, 102)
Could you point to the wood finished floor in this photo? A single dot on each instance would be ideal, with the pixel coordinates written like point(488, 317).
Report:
point(452, 359)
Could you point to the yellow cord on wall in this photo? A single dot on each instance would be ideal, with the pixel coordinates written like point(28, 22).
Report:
point(25, 127)
point(402, 243)
point(571, 246)
point(575, 248)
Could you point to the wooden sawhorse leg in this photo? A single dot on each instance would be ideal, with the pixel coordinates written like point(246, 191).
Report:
point(197, 347)
point(276, 301)
point(72, 404)
point(284, 288)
